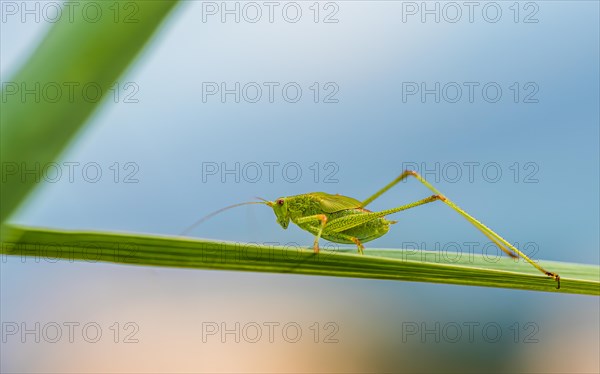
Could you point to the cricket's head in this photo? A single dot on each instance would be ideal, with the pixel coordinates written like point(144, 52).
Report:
point(280, 208)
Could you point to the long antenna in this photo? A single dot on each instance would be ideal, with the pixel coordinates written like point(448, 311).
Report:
point(201, 220)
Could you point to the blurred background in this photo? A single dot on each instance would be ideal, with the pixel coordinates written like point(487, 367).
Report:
point(495, 103)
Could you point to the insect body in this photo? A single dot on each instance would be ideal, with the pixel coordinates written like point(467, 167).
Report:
point(339, 219)
point(342, 219)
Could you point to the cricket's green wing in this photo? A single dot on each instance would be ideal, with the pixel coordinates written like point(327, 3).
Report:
point(335, 203)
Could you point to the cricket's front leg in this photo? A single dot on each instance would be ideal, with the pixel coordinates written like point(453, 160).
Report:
point(316, 217)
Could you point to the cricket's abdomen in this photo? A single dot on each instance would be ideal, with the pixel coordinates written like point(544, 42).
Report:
point(365, 232)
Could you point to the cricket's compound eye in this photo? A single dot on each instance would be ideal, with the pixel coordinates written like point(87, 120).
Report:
point(280, 201)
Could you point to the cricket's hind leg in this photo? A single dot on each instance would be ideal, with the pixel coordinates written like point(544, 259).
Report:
point(497, 239)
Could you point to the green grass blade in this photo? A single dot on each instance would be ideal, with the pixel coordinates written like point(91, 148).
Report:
point(76, 53)
point(406, 265)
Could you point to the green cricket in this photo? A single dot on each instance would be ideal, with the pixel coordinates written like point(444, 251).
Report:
point(343, 219)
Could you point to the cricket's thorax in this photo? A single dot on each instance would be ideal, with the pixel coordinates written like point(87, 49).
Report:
point(308, 205)
point(303, 206)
